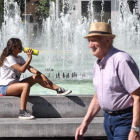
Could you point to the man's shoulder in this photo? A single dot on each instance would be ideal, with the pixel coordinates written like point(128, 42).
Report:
point(121, 56)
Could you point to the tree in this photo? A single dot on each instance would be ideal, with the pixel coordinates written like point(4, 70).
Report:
point(43, 8)
point(1, 12)
point(21, 3)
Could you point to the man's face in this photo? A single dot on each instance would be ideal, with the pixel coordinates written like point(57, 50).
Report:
point(98, 45)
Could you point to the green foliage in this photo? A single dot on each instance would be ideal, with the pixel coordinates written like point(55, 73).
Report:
point(21, 3)
point(1, 2)
point(1, 11)
point(43, 9)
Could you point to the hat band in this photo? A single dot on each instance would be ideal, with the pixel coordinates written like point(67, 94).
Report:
point(99, 32)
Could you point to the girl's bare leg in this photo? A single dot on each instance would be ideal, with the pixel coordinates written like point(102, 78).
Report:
point(17, 89)
point(23, 88)
point(38, 79)
point(47, 84)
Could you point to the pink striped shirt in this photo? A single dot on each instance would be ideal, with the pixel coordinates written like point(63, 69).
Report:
point(114, 78)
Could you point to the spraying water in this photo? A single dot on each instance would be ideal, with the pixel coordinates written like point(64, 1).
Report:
point(102, 11)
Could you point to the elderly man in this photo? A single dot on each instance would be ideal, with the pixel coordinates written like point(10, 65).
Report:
point(117, 87)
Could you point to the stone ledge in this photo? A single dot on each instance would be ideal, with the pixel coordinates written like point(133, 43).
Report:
point(47, 106)
point(48, 127)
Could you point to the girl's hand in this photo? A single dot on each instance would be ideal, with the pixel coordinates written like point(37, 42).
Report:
point(46, 80)
point(29, 53)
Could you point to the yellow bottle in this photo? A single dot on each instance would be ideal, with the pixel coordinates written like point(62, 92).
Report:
point(35, 52)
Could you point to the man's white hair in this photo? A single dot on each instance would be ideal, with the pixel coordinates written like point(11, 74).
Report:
point(104, 38)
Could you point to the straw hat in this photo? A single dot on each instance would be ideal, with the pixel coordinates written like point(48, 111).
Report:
point(100, 29)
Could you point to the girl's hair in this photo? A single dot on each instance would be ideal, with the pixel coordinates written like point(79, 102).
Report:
point(8, 49)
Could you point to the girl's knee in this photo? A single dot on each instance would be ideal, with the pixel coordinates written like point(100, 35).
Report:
point(35, 76)
point(26, 85)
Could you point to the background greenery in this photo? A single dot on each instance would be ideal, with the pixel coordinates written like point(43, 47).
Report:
point(1, 11)
point(42, 8)
point(21, 3)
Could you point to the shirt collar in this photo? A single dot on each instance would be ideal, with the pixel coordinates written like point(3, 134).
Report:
point(102, 62)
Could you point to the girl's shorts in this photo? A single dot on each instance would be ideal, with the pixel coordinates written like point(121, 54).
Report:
point(3, 89)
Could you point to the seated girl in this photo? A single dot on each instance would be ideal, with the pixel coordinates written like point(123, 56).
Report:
point(12, 65)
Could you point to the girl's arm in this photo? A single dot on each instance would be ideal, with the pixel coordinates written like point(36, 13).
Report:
point(26, 64)
point(33, 70)
point(36, 72)
point(23, 67)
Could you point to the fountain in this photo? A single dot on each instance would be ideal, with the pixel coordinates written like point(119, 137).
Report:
point(64, 54)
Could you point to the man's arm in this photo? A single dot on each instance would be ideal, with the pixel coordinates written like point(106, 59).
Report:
point(136, 115)
point(91, 113)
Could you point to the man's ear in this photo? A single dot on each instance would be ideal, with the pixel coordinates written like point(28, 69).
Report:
point(108, 41)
